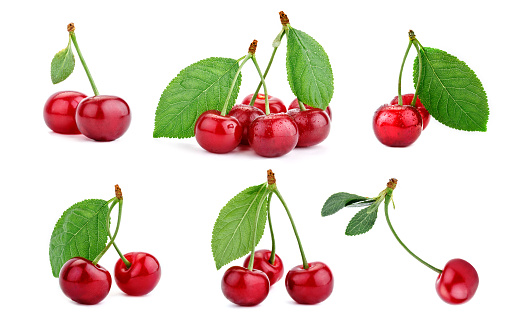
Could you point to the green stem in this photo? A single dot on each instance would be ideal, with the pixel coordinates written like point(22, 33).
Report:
point(304, 261)
point(276, 44)
point(96, 260)
point(273, 247)
point(386, 202)
point(74, 39)
point(267, 110)
point(401, 73)
point(416, 45)
point(301, 106)
point(245, 59)
point(125, 261)
point(260, 204)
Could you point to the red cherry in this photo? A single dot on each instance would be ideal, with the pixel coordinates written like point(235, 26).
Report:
point(407, 100)
point(60, 109)
point(458, 282)
point(309, 286)
point(261, 262)
point(313, 126)
point(275, 104)
point(273, 135)
point(246, 115)
point(141, 277)
point(244, 287)
point(397, 126)
point(294, 104)
point(84, 282)
point(103, 118)
point(217, 133)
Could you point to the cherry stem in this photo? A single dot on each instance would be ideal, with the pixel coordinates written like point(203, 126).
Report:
point(276, 44)
point(125, 261)
point(304, 261)
point(401, 73)
point(262, 78)
point(389, 192)
point(260, 204)
point(96, 260)
point(301, 106)
point(245, 59)
point(273, 247)
point(416, 45)
point(74, 39)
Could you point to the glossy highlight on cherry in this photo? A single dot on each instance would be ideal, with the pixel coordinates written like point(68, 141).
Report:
point(141, 277)
point(397, 126)
point(84, 282)
point(458, 282)
point(103, 118)
point(309, 286)
point(245, 287)
point(60, 110)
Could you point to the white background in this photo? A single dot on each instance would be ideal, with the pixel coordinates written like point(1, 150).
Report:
point(460, 194)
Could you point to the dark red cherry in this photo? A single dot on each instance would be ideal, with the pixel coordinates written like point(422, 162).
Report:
point(84, 282)
point(246, 115)
point(141, 277)
point(458, 282)
point(407, 100)
point(309, 286)
point(273, 271)
point(275, 104)
point(313, 126)
point(397, 126)
point(273, 135)
point(244, 287)
point(60, 109)
point(216, 133)
point(294, 104)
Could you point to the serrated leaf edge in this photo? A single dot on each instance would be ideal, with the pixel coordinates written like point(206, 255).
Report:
point(68, 48)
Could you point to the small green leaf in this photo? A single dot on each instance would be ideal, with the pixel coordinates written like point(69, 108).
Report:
point(451, 91)
point(199, 87)
point(338, 201)
point(363, 221)
point(62, 64)
point(308, 69)
point(81, 231)
point(233, 232)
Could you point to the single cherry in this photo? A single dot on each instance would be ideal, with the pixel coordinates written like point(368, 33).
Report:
point(60, 109)
point(141, 277)
point(246, 115)
point(262, 262)
point(273, 135)
point(244, 287)
point(103, 118)
point(275, 104)
point(458, 282)
point(294, 104)
point(407, 100)
point(313, 126)
point(397, 126)
point(84, 282)
point(309, 286)
point(217, 133)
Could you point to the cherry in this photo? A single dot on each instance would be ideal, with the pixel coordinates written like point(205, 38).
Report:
point(275, 104)
point(458, 282)
point(84, 282)
point(244, 287)
point(313, 126)
point(294, 104)
point(397, 126)
point(103, 118)
point(141, 277)
point(407, 100)
point(261, 262)
point(309, 286)
point(273, 135)
point(60, 109)
point(217, 133)
point(246, 115)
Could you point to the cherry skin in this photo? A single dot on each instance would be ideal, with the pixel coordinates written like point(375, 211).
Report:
point(216, 133)
point(397, 126)
point(273, 135)
point(103, 118)
point(275, 104)
point(84, 282)
point(244, 287)
point(246, 115)
point(458, 282)
point(310, 286)
point(60, 109)
point(313, 126)
point(407, 100)
point(261, 262)
point(141, 277)
point(294, 104)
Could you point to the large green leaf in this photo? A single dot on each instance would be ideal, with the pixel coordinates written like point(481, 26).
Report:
point(363, 221)
point(338, 201)
point(62, 64)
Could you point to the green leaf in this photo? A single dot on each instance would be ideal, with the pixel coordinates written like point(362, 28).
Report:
point(233, 232)
point(363, 221)
point(199, 87)
point(62, 64)
point(451, 91)
point(338, 201)
point(308, 69)
point(81, 231)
